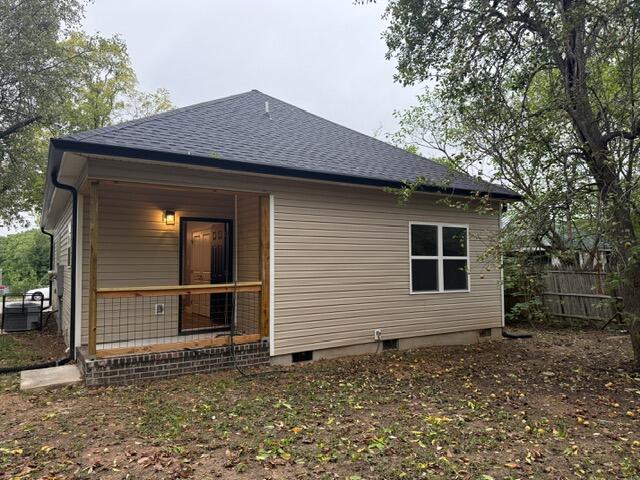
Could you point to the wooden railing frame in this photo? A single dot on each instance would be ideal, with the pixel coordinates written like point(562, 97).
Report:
point(221, 341)
point(265, 261)
point(182, 290)
point(93, 268)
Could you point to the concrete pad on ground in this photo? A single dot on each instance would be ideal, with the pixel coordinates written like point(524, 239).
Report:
point(51, 377)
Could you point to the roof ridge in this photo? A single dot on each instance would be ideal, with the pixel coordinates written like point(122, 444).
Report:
point(370, 137)
point(151, 118)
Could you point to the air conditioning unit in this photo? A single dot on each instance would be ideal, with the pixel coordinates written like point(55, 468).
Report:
point(21, 316)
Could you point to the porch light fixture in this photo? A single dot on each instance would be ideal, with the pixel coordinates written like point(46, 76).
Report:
point(170, 217)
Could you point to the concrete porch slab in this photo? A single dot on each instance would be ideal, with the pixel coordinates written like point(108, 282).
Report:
point(51, 377)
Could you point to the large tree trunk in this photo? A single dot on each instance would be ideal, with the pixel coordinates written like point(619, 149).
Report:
point(634, 331)
point(631, 302)
point(625, 262)
point(573, 66)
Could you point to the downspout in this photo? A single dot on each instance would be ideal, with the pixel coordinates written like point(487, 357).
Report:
point(74, 242)
point(72, 325)
point(51, 246)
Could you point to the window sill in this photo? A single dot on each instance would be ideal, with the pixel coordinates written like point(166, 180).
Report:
point(435, 292)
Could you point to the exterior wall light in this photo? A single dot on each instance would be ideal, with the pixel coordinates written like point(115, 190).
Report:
point(170, 217)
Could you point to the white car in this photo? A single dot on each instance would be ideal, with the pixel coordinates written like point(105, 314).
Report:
point(39, 295)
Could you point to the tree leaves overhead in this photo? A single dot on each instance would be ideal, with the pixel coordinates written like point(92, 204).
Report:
point(32, 82)
point(103, 75)
point(54, 80)
point(31, 60)
point(509, 73)
point(103, 90)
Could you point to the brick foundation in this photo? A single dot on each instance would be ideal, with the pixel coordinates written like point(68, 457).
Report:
point(135, 368)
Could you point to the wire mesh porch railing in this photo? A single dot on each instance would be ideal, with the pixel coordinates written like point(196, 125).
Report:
point(153, 319)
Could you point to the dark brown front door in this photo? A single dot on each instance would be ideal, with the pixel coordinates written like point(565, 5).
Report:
point(206, 259)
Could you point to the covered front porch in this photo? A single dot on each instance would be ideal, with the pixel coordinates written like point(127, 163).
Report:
point(170, 269)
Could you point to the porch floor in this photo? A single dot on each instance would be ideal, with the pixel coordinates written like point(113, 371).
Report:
point(172, 344)
point(184, 338)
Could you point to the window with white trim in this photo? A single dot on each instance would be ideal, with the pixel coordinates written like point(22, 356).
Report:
point(439, 258)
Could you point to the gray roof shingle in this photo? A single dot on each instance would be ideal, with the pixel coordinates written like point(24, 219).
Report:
point(237, 129)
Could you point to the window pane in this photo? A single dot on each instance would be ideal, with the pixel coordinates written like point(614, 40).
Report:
point(424, 275)
point(454, 242)
point(455, 274)
point(424, 240)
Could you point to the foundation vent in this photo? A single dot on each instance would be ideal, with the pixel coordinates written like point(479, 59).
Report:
point(306, 356)
point(390, 344)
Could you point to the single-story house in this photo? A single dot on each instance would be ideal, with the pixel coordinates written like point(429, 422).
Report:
point(246, 230)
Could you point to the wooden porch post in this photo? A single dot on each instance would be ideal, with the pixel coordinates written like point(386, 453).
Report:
point(93, 267)
point(265, 260)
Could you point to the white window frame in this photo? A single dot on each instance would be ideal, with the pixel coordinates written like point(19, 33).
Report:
point(440, 258)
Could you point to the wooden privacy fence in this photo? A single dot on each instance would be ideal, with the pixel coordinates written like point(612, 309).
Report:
point(580, 295)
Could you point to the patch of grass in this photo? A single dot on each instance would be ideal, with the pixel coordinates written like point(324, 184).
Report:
point(24, 348)
point(163, 419)
point(14, 353)
point(9, 382)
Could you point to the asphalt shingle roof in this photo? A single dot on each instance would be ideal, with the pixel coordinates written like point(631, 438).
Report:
point(237, 129)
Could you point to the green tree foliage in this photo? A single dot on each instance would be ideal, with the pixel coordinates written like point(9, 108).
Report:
point(24, 260)
point(55, 80)
point(545, 94)
point(103, 90)
point(33, 76)
point(104, 75)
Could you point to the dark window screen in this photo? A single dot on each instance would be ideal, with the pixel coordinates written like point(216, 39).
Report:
point(424, 275)
point(424, 240)
point(455, 274)
point(454, 242)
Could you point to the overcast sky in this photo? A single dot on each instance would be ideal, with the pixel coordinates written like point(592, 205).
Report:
point(325, 56)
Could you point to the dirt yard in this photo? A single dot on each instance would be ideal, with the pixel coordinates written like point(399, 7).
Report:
point(24, 348)
point(562, 405)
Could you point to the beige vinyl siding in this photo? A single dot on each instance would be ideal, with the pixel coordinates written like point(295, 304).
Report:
point(136, 249)
point(343, 270)
point(342, 258)
point(62, 246)
point(248, 231)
